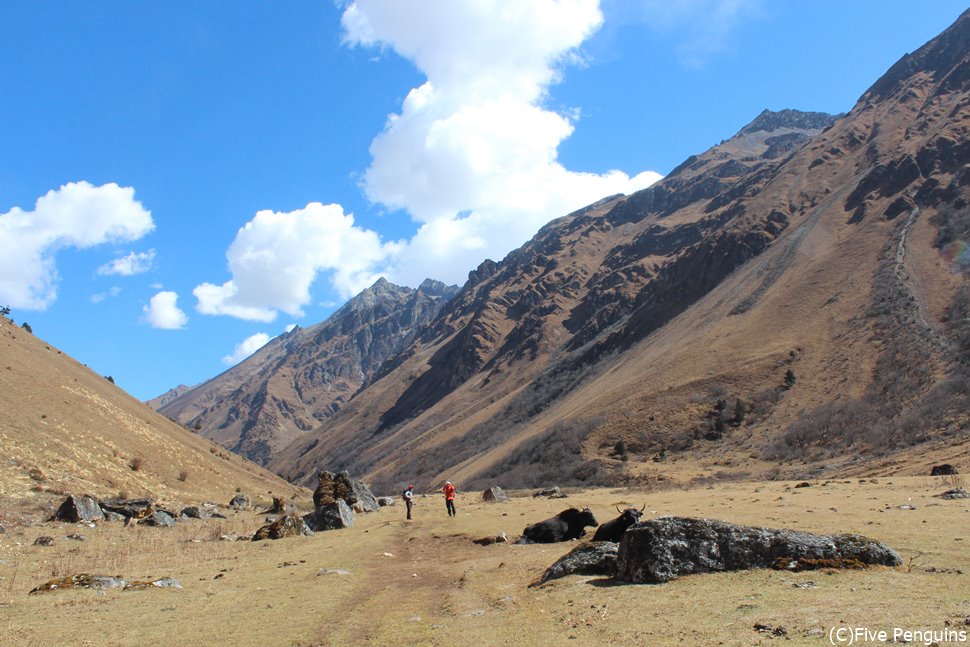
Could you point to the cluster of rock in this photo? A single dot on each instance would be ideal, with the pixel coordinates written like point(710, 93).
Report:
point(661, 549)
point(335, 502)
point(101, 583)
point(88, 509)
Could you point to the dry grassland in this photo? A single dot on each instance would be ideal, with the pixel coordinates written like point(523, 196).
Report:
point(425, 583)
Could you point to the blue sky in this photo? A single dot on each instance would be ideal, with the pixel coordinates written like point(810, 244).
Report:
point(181, 181)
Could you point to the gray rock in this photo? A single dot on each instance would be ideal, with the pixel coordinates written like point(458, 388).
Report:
point(193, 512)
point(79, 508)
point(290, 525)
point(239, 502)
point(660, 549)
point(161, 583)
point(958, 493)
point(112, 516)
point(330, 517)
point(549, 492)
point(44, 540)
point(594, 558)
point(943, 470)
point(76, 536)
point(158, 519)
point(494, 494)
point(385, 501)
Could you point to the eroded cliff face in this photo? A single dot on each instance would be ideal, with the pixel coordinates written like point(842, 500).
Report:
point(306, 375)
point(628, 319)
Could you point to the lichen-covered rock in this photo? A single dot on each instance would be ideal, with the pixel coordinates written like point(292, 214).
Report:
point(290, 525)
point(333, 487)
point(79, 508)
point(44, 540)
point(661, 549)
point(161, 583)
point(594, 558)
point(80, 581)
point(330, 517)
point(494, 494)
point(550, 492)
point(385, 501)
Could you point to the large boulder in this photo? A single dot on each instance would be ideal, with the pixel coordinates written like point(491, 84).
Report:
point(290, 525)
point(943, 470)
point(494, 494)
point(661, 549)
point(385, 501)
point(594, 558)
point(79, 508)
point(333, 487)
point(333, 516)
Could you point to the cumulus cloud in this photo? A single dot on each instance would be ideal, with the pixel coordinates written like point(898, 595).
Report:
point(133, 263)
point(162, 312)
point(472, 155)
point(76, 215)
point(276, 257)
point(245, 348)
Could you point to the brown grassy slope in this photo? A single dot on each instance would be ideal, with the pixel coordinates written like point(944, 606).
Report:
point(637, 314)
point(425, 583)
point(65, 429)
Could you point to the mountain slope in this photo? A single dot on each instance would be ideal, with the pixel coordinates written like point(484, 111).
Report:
point(65, 429)
point(797, 245)
point(304, 376)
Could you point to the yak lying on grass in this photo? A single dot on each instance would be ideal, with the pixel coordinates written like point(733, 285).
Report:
point(568, 524)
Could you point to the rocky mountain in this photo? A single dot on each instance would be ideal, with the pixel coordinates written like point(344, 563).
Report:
point(784, 300)
point(168, 396)
point(306, 375)
point(64, 428)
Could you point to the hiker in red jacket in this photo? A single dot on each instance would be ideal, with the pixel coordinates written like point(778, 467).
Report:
point(449, 491)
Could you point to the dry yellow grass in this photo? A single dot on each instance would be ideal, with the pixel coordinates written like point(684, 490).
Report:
point(425, 583)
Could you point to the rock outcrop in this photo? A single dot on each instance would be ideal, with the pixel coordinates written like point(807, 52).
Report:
point(661, 549)
point(290, 525)
point(331, 516)
point(594, 558)
point(79, 508)
point(332, 487)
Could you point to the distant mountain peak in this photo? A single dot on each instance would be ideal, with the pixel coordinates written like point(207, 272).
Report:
point(770, 121)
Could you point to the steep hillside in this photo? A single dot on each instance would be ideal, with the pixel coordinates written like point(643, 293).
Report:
point(64, 428)
point(780, 302)
point(303, 377)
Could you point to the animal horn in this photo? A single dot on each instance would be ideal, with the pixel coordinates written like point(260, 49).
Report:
point(644, 507)
point(618, 508)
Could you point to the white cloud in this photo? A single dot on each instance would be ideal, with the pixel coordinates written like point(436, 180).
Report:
point(101, 296)
point(162, 312)
point(133, 263)
point(245, 348)
point(76, 215)
point(276, 257)
point(472, 155)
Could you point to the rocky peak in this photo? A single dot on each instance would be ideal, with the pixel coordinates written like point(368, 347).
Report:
point(769, 121)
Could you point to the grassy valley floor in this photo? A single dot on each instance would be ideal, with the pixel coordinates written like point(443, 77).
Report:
point(387, 581)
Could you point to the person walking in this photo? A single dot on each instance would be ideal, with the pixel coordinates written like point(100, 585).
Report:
point(408, 496)
point(449, 491)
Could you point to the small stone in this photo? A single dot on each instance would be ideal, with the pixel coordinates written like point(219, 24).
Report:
point(44, 540)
